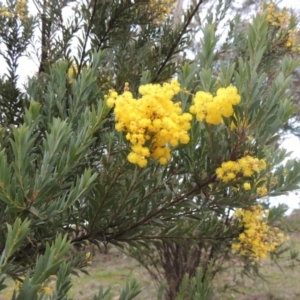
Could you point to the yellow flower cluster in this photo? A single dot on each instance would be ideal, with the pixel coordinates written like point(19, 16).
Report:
point(211, 108)
point(276, 17)
point(20, 10)
point(47, 290)
point(5, 13)
point(281, 19)
point(153, 123)
point(262, 191)
point(161, 8)
point(292, 40)
point(257, 238)
point(247, 186)
point(88, 258)
point(19, 284)
point(246, 166)
point(72, 73)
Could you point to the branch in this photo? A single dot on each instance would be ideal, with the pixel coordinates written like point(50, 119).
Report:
point(175, 45)
point(46, 26)
point(86, 37)
point(184, 238)
point(111, 24)
point(174, 202)
point(149, 217)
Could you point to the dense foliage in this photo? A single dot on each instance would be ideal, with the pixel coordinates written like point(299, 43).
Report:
point(124, 137)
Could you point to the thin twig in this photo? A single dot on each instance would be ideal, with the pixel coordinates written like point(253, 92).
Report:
point(175, 45)
point(87, 37)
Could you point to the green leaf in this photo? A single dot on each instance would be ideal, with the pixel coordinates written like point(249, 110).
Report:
point(16, 235)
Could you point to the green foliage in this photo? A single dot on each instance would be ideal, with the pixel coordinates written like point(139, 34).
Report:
point(64, 175)
point(198, 288)
point(15, 237)
point(15, 35)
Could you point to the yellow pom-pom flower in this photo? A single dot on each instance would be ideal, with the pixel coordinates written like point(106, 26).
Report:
point(257, 238)
point(211, 108)
point(245, 166)
point(153, 123)
point(277, 17)
point(247, 186)
point(161, 9)
point(20, 10)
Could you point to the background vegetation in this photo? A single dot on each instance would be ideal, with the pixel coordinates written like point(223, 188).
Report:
point(147, 128)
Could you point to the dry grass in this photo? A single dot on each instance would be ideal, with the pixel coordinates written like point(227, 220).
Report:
point(114, 269)
point(278, 281)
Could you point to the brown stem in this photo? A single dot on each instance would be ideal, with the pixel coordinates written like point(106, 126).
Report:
point(111, 24)
point(119, 172)
point(46, 25)
point(177, 41)
point(87, 37)
point(172, 203)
